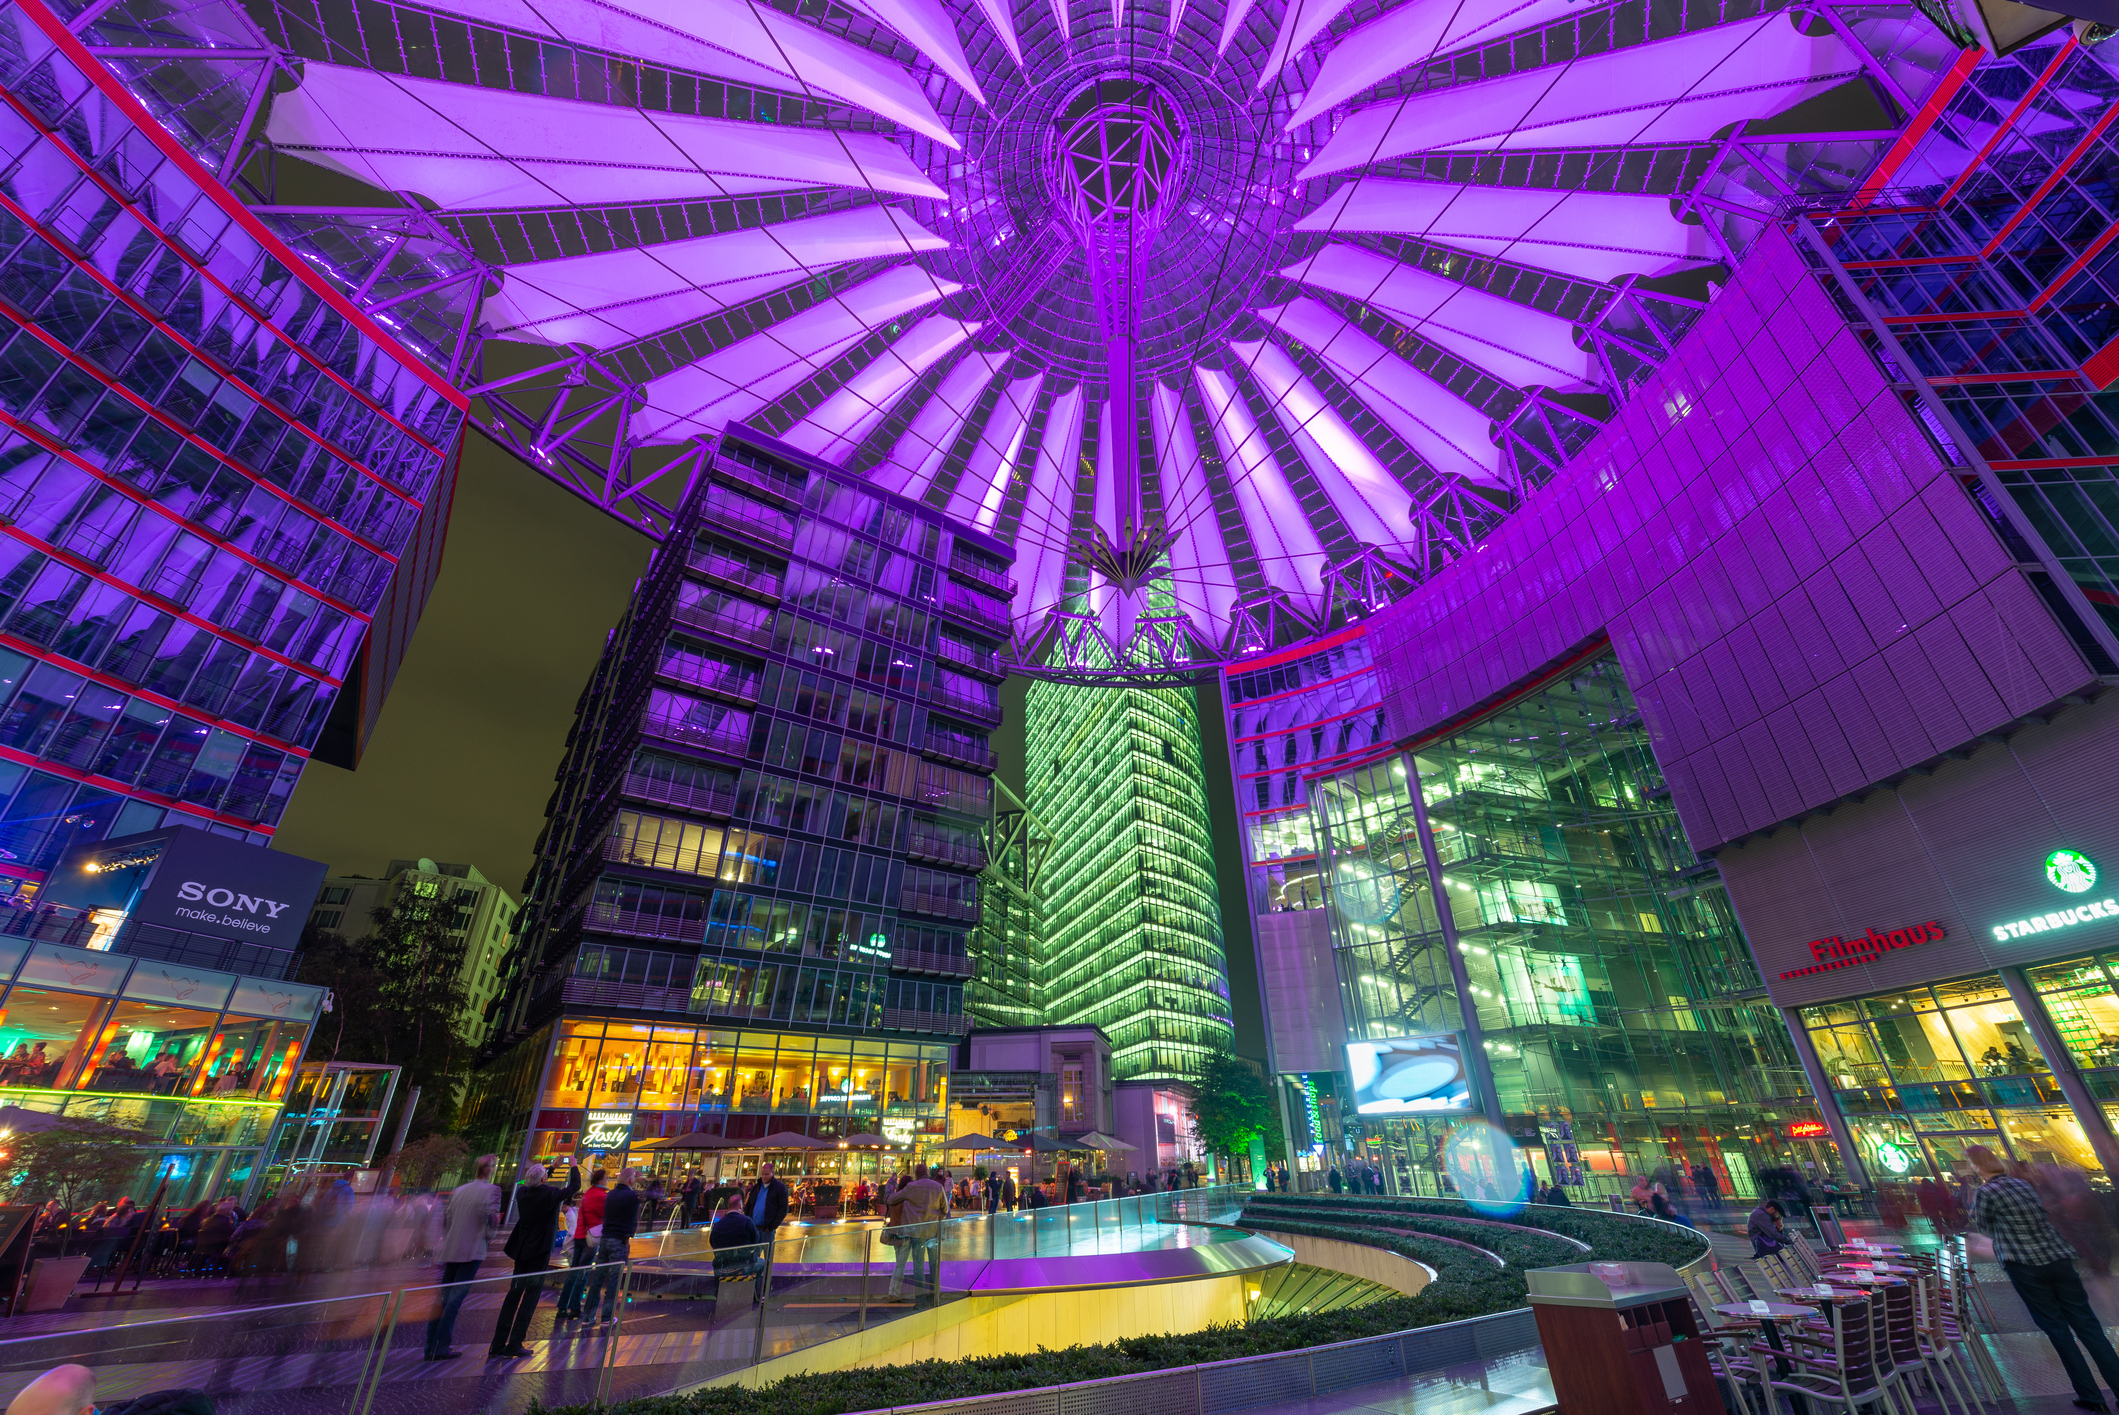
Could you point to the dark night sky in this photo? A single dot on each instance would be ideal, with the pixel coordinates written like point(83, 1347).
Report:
point(461, 763)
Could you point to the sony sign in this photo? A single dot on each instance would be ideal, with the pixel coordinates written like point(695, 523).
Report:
point(194, 881)
point(191, 891)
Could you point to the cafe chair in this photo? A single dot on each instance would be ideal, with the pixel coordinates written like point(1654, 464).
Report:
point(1726, 1340)
point(1842, 1370)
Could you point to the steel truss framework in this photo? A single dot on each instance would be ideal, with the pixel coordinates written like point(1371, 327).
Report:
point(1233, 497)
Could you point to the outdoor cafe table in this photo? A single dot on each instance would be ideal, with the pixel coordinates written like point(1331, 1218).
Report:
point(1770, 1316)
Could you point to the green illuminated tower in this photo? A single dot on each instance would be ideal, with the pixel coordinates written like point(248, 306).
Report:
point(1132, 933)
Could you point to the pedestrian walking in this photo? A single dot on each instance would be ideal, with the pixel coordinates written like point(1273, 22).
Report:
point(1008, 1193)
point(2041, 1267)
point(537, 1206)
point(621, 1220)
point(688, 1199)
point(588, 1214)
point(467, 1226)
point(923, 1204)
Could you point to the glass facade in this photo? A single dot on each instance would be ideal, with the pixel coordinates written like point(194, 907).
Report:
point(1991, 268)
point(208, 473)
point(1132, 940)
point(1598, 969)
point(774, 805)
point(1923, 1074)
point(200, 1061)
point(1287, 723)
point(1008, 945)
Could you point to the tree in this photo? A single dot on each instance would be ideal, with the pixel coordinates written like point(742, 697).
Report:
point(77, 1162)
point(424, 1163)
point(1235, 1104)
point(398, 997)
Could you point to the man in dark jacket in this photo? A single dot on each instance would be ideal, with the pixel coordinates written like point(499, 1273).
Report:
point(621, 1220)
point(537, 1206)
point(734, 1239)
point(766, 1202)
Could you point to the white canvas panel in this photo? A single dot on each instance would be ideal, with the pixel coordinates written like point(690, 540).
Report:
point(732, 39)
point(1448, 433)
point(1589, 235)
point(472, 148)
point(1676, 90)
point(1515, 343)
point(736, 382)
point(837, 425)
point(608, 297)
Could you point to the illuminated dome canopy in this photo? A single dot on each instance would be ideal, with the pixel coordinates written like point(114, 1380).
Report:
point(1236, 317)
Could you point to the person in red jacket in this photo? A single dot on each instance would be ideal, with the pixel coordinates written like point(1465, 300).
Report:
point(590, 1215)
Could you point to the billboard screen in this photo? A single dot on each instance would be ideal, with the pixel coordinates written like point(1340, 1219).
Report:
point(1409, 1076)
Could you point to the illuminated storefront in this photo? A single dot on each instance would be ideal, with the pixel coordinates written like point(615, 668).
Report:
point(611, 1085)
point(198, 1061)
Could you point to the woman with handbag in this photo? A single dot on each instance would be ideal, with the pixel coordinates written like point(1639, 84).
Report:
point(892, 1202)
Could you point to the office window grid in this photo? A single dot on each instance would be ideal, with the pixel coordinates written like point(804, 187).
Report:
point(1132, 928)
point(207, 472)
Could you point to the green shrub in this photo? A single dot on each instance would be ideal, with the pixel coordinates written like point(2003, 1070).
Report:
point(1466, 1285)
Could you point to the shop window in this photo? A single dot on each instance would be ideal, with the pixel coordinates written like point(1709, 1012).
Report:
point(573, 1065)
point(1074, 1103)
point(45, 1035)
point(620, 1068)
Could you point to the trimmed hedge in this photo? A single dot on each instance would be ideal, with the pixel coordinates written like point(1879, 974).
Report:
point(1466, 1285)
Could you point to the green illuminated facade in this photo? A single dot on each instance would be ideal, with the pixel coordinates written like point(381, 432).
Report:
point(1618, 1014)
point(1132, 933)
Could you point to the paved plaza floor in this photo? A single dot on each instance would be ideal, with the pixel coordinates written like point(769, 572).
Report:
point(302, 1347)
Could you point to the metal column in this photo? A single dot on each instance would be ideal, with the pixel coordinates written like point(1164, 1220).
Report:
point(1475, 1058)
point(1821, 1086)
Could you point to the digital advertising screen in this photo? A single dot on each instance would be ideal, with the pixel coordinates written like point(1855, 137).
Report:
point(1409, 1076)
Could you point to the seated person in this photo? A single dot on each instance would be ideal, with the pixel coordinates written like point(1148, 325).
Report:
point(734, 1239)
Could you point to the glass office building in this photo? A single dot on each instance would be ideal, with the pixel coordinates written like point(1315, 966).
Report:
point(212, 470)
point(1539, 897)
point(1132, 926)
point(751, 906)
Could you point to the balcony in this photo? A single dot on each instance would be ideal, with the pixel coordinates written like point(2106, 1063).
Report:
point(727, 626)
point(949, 747)
point(983, 662)
point(927, 845)
point(600, 992)
point(723, 737)
point(728, 516)
point(948, 965)
point(905, 1019)
point(636, 923)
point(712, 801)
point(993, 580)
point(968, 704)
point(969, 608)
point(712, 678)
point(784, 487)
point(940, 906)
point(972, 796)
point(699, 863)
point(733, 574)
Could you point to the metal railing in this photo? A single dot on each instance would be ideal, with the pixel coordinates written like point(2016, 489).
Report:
point(716, 1312)
point(679, 793)
point(718, 738)
point(728, 626)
